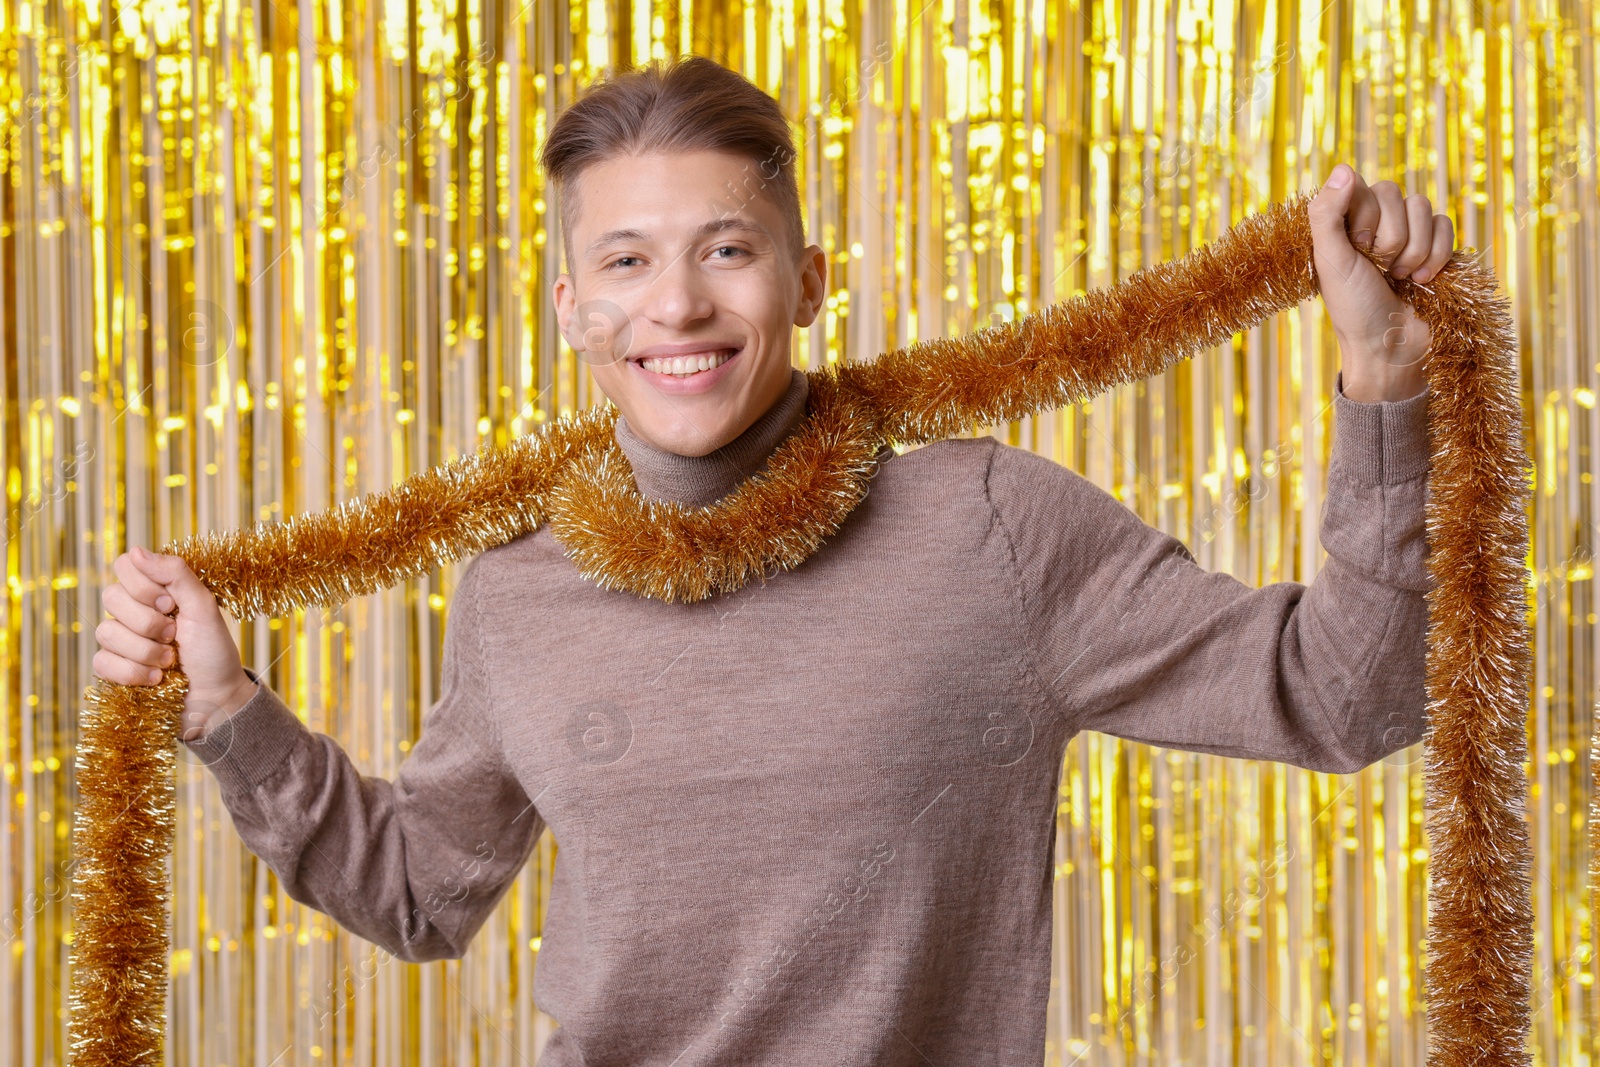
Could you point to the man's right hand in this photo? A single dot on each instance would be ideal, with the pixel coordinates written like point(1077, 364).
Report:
point(155, 601)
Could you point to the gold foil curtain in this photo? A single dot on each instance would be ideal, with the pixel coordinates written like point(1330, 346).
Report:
point(258, 259)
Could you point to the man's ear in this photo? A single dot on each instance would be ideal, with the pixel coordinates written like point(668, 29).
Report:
point(813, 285)
point(565, 300)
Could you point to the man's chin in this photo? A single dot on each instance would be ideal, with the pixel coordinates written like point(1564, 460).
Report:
point(689, 446)
point(687, 426)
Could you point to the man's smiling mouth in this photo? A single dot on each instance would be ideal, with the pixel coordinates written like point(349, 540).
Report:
point(689, 365)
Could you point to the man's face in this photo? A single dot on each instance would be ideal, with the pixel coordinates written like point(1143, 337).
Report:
point(685, 255)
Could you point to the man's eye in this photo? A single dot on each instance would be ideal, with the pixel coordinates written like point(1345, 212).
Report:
point(733, 248)
point(618, 261)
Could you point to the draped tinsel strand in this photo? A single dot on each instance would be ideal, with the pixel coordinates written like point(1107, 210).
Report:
point(574, 476)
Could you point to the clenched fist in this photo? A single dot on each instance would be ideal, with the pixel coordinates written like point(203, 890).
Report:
point(156, 601)
point(1383, 344)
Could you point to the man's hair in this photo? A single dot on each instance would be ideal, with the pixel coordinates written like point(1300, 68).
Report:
point(686, 104)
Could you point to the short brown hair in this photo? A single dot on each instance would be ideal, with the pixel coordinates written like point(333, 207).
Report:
point(686, 104)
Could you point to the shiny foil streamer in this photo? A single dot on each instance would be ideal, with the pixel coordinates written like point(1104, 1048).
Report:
point(258, 261)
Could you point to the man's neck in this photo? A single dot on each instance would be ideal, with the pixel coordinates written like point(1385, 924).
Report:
point(699, 481)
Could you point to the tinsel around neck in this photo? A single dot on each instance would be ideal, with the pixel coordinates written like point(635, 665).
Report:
point(573, 476)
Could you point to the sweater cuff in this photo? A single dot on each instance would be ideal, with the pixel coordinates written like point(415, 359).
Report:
point(251, 743)
point(1382, 442)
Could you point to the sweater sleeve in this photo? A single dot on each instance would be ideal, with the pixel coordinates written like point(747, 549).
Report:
point(1130, 636)
point(414, 865)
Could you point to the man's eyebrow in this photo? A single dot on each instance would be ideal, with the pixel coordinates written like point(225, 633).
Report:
point(725, 224)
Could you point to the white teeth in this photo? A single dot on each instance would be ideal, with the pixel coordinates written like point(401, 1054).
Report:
point(684, 366)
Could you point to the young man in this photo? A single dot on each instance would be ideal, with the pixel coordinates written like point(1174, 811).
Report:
point(812, 821)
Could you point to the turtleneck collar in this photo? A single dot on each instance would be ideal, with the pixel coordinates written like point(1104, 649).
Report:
point(700, 481)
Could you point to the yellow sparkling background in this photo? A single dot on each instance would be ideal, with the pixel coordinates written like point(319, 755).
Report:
point(256, 260)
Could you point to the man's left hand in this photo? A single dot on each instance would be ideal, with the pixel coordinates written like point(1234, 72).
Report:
point(1382, 343)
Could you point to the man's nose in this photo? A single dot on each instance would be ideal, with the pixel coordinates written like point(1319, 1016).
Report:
point(679, 294)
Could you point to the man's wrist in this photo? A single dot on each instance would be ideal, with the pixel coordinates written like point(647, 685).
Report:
point(242, 695)
point(221, 709)
point(1381, 371)
point(1398, 385)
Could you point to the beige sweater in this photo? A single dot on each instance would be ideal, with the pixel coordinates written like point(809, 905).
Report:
point(811, 822)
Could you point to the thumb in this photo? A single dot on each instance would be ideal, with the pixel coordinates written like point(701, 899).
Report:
point(184, 586)
point(1326, 213)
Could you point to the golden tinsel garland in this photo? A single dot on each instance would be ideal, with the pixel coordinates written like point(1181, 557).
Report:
point(573, 476)
point(669, 551)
